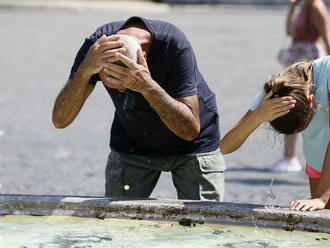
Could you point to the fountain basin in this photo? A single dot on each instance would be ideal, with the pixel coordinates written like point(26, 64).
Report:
point(70, 221)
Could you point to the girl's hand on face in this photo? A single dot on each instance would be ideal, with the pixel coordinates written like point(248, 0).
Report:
point(307, 205)
point(272, 108)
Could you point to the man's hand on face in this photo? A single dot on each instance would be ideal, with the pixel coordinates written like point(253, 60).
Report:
point(134, 76)
point(102, 51)
point(105, 80)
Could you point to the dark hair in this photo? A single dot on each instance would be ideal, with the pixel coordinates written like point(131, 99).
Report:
point(295, 81)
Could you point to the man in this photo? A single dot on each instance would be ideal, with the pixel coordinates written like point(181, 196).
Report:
point(166, 116)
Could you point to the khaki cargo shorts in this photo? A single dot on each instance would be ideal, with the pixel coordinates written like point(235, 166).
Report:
point(195, 177)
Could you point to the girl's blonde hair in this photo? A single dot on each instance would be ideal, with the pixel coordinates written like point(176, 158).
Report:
point(296, 81)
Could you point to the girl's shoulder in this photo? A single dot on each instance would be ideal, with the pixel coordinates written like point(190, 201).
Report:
point(321, 63)
point(323, 59)
point(321, 71)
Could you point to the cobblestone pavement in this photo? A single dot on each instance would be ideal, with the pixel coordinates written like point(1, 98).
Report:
point(236, 49)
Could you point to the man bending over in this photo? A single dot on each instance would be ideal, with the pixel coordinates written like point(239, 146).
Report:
point(166, 116)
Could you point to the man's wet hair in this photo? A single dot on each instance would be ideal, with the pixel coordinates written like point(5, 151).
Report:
point(131, 46)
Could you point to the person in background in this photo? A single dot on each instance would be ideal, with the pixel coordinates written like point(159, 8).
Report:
point(307, 29)
point(166, 116)
point(295, 100)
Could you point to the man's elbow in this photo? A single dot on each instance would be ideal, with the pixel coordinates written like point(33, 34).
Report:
point(59, 123)
point(192, 134)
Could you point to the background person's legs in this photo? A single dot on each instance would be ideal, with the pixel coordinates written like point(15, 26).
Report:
point(200, 177)
point(290, 145)
point(125, 177)
point(289, 162)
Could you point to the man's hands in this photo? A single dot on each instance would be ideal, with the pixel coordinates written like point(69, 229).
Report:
point(101, 58)
point(270, 109)
point(307, 205)
point(102, 51)
point(134, 76)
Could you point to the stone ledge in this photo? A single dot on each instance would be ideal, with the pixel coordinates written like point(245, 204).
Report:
point(185, 212)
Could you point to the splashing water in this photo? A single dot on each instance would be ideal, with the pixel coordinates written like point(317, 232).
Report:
point(272, 195)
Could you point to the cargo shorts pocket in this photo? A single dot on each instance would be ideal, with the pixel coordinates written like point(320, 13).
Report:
point(211, 161)
point(212, 166)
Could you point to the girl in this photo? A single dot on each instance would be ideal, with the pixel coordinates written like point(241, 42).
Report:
point(295, 100)
point(307, 29)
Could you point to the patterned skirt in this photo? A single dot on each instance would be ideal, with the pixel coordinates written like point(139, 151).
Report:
point(299, 51)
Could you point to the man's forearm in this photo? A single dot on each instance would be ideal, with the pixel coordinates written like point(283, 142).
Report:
point(180, 115)
point(176, 115)
point(71, 98)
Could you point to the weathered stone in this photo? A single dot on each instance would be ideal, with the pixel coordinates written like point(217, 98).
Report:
point(185, 212)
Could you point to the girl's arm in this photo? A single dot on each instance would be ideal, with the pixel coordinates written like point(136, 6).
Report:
point(324, 186)
point(268, 109)
point(239, 133)
point(320, 19)
point(323, 189)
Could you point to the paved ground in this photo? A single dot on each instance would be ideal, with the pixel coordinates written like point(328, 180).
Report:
point(236, 49)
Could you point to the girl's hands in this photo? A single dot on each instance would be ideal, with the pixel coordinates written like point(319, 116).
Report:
point(307, 205)
point(270, 109)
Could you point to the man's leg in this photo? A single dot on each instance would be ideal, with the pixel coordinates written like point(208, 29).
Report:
point(124, 176)
point(200, 176)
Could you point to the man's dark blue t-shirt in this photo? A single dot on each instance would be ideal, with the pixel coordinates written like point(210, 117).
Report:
point(136, 127)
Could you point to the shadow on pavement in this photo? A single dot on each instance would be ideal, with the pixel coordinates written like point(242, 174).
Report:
point(247, 169)
point(257, 169)
point(254, 181)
